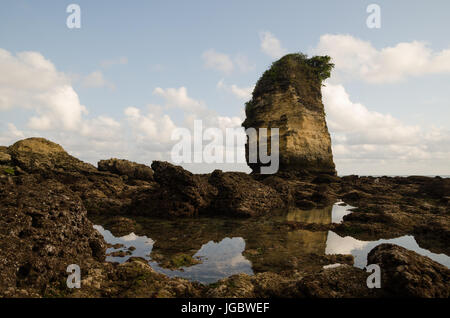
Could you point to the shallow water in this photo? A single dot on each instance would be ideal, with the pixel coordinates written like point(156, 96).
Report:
point(359, 249)
point(226, 247)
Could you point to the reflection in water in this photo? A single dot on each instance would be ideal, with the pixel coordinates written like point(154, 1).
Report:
point(142, 244)
point(230, 246)
point(219, 260)
point(359, 249)
point(331, 214)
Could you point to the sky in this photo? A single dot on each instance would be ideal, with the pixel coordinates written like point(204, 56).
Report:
point(119, 85)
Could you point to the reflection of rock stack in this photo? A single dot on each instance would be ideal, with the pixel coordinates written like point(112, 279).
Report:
point(288, 96)
point(304, 242)
point(316, 216)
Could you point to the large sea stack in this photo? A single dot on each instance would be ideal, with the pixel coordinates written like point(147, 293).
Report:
point(288, 96)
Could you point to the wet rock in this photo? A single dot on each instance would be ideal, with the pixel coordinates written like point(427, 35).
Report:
point(326, 178)
point(305, 204)
point(178, 193)
point(343, 281)
point(436, 188)
point(261, 285)
point(121, 226)
point(354, 195)
point(133, 279)
point(405, 273)
point(43, 229)
point(288, 96)
point(126, 168)
point(240, 195)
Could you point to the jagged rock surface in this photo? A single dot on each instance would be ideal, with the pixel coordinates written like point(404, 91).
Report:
point(126, 168)
point(408, 274)
point(43, 229)
point(238, 194)
point(42, 155)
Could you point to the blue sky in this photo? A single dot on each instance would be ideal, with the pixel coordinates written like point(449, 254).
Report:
point(215, 51)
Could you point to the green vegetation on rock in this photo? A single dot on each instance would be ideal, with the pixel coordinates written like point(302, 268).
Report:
point(285, 71)
point(9, 170)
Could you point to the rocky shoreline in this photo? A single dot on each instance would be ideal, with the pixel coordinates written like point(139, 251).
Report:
point(49, 199)
point(48, 196)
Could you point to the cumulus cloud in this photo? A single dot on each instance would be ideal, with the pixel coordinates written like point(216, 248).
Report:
point(155, 130)
point(243, 93)
point(271, 46)
point(218, 61)
point(178, 97)
point(365, 140)
point(30, 81)
point(11, 134)
point(355, 124)
point(358, 59)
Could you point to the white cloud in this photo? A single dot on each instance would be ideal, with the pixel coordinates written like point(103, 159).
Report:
point(217, 61)
point(149, 128)
point(243, 93)
point(96, 79)
point(358, 59)
point(178, 98)
point(11, 135)
point(30, 81)
point(365, 140)
point(271, 46)
point(355, 124)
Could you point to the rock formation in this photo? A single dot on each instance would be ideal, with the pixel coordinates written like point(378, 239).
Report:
point(41, 155)
point(288, 96)
point(408, 274)
point(132, 170)
point(43, 229)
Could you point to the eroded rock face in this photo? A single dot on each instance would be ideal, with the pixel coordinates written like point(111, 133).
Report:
point(408, 274)
point(238, 194)
point(178, 192)
point(288, 96)
point(126, 168)
point(43, 229)
point(41, 155)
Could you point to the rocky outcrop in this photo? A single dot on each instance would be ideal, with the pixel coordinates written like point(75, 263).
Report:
point(180, 193)
point(43, 229)
point(288, 97)
point(42, 155)
point(343, 281)
point(132, 170)
point(238, 194)
point(133, 279)
point(405, 273)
